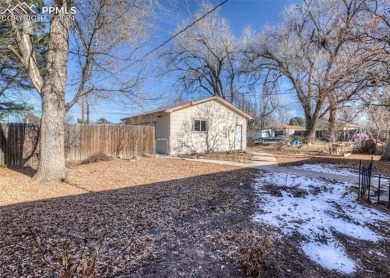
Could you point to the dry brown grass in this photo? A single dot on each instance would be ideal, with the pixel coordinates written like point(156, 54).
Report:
point(146, 218)
point(17, 186)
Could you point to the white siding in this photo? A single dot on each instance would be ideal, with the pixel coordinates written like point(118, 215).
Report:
point(219, 136)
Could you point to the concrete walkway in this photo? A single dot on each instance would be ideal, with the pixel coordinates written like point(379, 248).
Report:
point(310, 174)
point(259, 159)
point(267, 162)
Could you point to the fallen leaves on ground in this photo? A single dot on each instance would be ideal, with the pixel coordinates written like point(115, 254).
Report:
point(144, 218)
point(122, 218)
point(17, 187)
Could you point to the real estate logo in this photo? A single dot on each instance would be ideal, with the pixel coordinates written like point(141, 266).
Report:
point(20, 9)
point(24, 11)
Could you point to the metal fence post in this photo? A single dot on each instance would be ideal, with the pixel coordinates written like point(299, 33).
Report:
point(379, 188)
point(388, 204)
point(359, 187)
point(369, 172)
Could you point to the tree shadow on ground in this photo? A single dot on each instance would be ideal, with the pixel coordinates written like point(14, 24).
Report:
point(196, 226)
point(27, 171)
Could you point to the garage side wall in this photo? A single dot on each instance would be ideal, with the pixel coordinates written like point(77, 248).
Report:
point(162, 133)
point(219, 136)
point(162, 126)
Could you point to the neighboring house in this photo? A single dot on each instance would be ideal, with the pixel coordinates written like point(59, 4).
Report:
point(207, 125)
point(283, 130)
point(261, 133)
point(288, 129)
point(103, 121)
point(345, 131)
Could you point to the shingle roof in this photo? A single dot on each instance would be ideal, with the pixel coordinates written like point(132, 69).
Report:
point(189, 104)
point(296, 127)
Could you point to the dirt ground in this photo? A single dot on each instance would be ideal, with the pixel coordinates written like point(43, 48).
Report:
point(155, 217)
point(314, 154)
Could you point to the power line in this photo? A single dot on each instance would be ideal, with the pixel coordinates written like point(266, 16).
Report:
point(177, 34)
point(183, 30)
point(168, 40)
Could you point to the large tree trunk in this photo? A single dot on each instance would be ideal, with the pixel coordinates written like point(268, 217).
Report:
point(52, 153)
point(386, 153)
point(332, 118)
point(311, 117)
point(311, 124)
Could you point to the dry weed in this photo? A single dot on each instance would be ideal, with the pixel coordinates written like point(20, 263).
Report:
point(96, 158)
point(260, 258)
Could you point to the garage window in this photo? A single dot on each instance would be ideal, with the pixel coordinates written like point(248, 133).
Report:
point(200, 125)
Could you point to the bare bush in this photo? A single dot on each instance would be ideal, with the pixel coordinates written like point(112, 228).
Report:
point(96, 158)
point(260, 258)
point(367, 147)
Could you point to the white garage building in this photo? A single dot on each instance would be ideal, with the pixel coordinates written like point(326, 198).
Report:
point(207, 125)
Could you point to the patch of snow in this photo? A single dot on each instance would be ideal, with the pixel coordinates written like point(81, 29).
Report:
point(316, 213)
point(353, 230)
point(330, 256)
point(327, 168)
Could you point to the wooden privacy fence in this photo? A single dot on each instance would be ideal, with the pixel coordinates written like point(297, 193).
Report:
point(19, 142)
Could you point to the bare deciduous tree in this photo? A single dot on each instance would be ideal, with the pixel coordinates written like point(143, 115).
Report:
point(51, 87)
point(105, 37)
point(285, 51)
point(264, 108)
point(378, 112)
point(311, 49)
point(374, 31)
point(96, 40)
point(205, 58)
